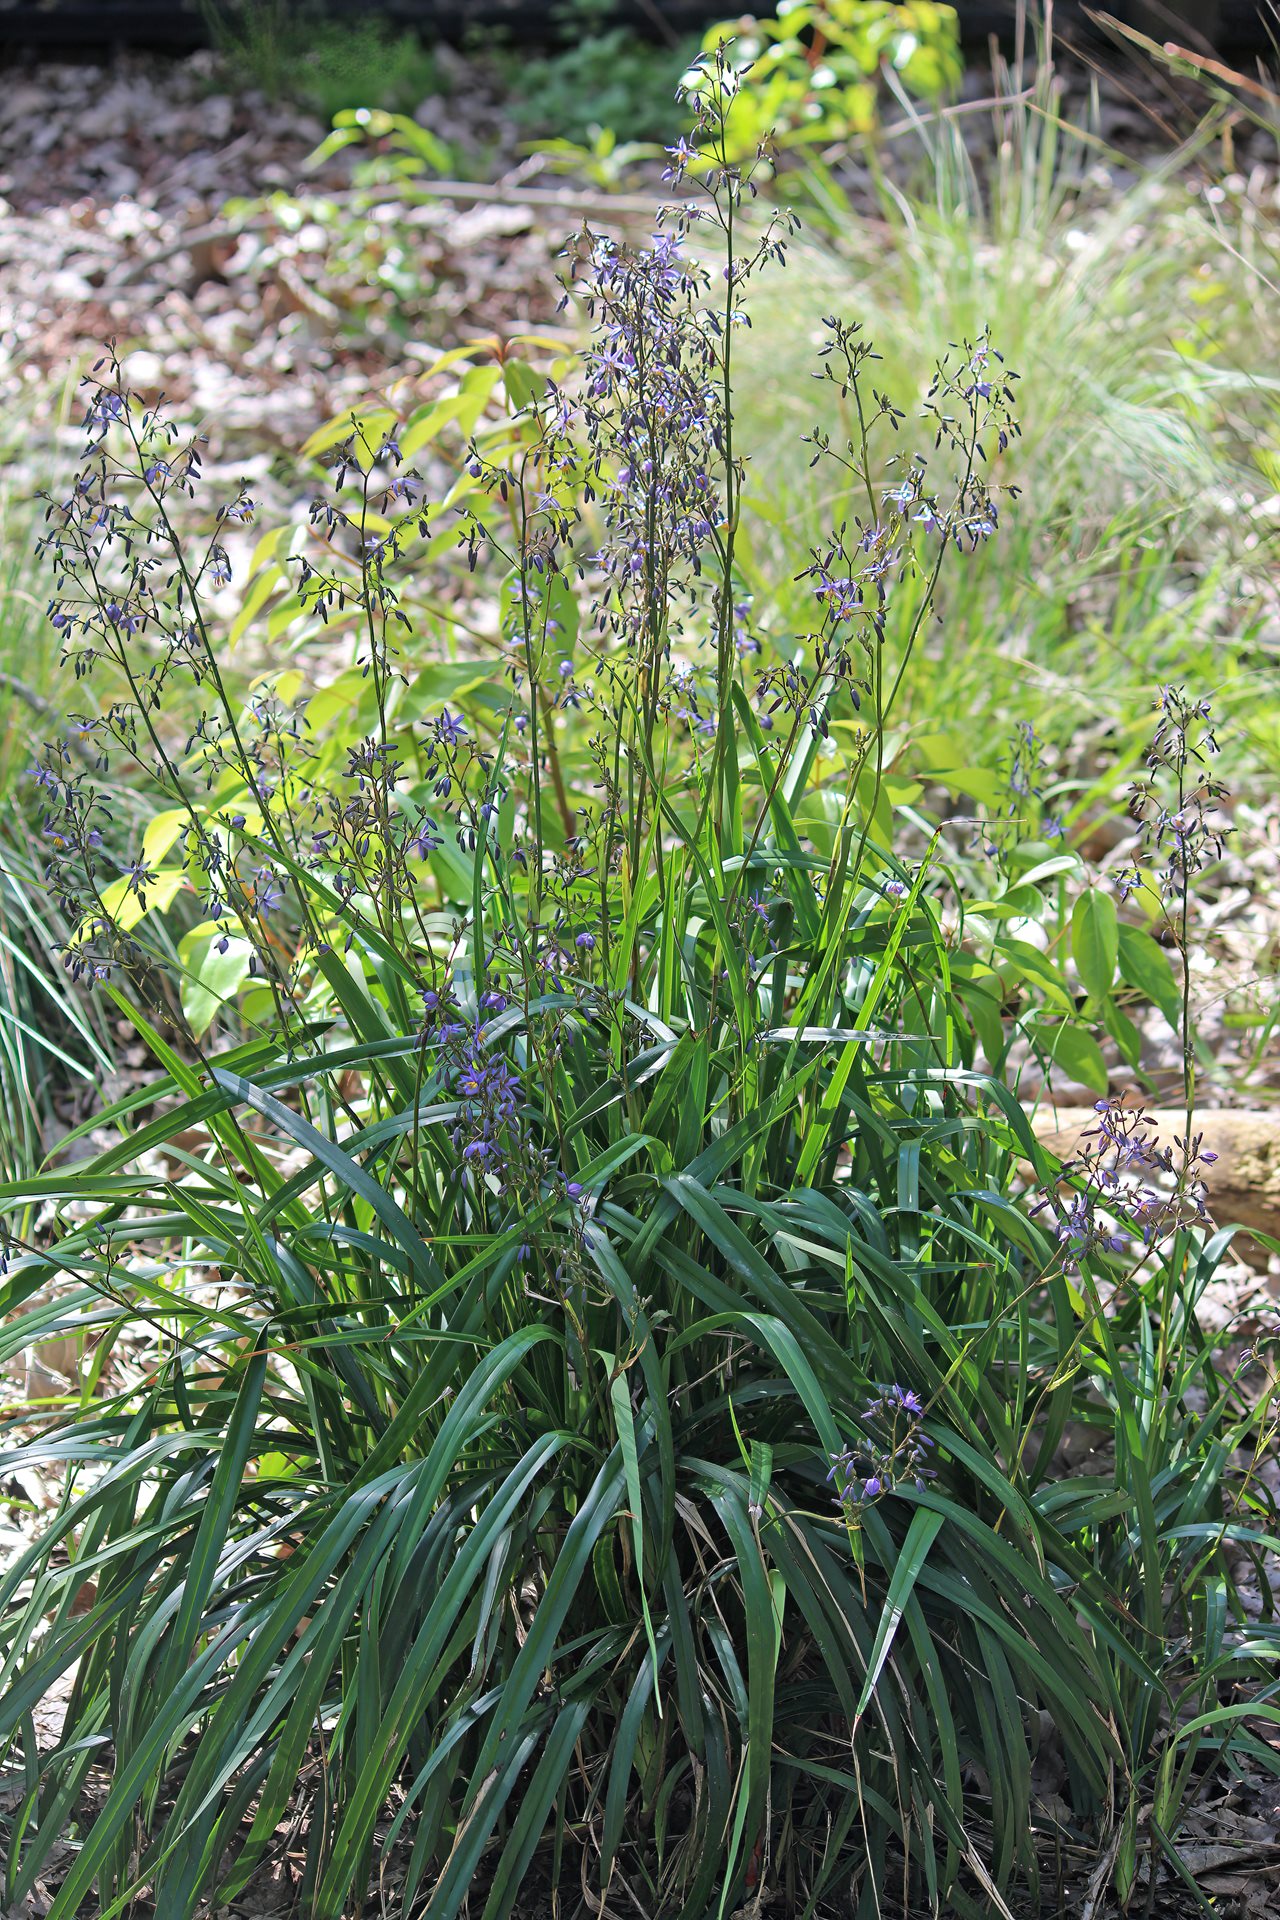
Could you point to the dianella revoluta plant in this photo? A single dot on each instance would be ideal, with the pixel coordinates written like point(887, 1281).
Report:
point(1131, 1218)
point(566, 1396)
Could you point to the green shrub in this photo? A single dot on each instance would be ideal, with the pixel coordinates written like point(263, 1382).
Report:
point(812, 71)
point(601, 77)
point(300, 53)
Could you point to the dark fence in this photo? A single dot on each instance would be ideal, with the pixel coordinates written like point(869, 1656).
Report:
point(88, 27)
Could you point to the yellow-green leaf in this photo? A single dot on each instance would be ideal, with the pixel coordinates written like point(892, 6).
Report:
point(124, 906)
point(161, 833)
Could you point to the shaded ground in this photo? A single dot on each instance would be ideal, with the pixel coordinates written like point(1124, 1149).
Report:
point(114, 183)
point(114, 221)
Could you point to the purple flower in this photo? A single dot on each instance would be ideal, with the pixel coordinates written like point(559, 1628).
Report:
point(681, 156)
point(105, 408)
point(268, 894)
point(893, 1449)
point(424, 840)
point(490, 1099)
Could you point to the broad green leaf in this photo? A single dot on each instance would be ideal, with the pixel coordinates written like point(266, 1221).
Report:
point(211, 978)
point(524, 385)
point(158, 893)
point(1123, 1032)
point(271, 579)
point(1095, 941)
point(161, 832)
point(461, 409)
point(1073, 1049)
point(1146, 965)
point(1034, 967)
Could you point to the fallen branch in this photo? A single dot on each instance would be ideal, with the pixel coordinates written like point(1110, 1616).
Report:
point(620, 207)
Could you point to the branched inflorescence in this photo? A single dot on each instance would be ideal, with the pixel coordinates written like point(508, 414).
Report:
point(303, 856)
point(1181, 830)
point(1123, 1185)
point(1178, 807)
point(892, 1450)
point(902, 525)
point(1025, 808)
